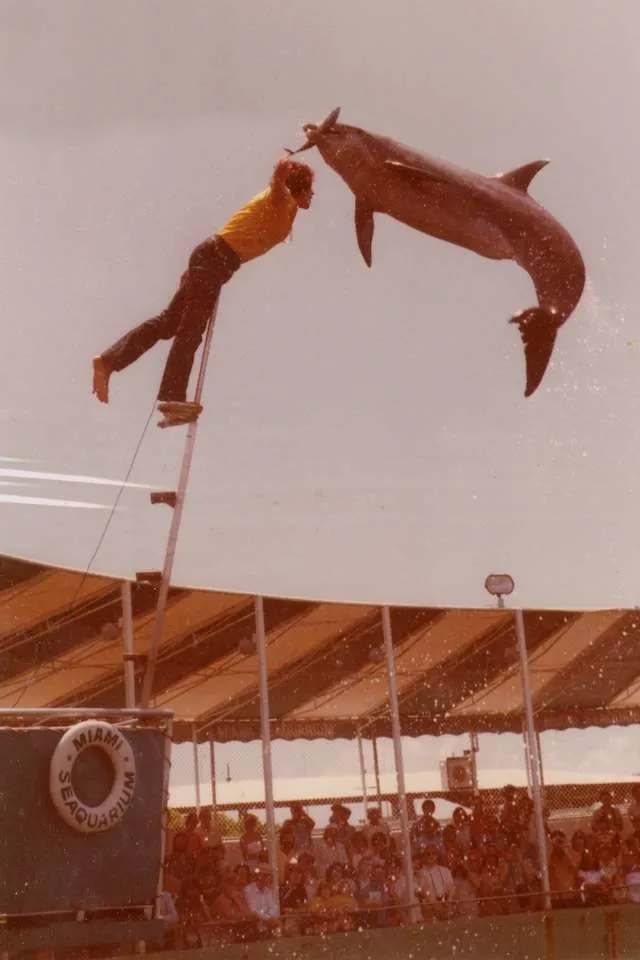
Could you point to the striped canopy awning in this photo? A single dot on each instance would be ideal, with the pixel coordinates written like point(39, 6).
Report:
point(457, 669)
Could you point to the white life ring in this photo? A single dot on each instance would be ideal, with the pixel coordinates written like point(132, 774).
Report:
point(92, 733)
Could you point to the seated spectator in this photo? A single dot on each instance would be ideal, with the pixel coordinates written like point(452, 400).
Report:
point(375, 823)
point(492, 884)
point(634, 808)
point(630, 856)
point(517, 882)
point(613, 882)
point(330, 850)
point(509, 814)
point(178, 868)
point(451, 850)
point(293, 894)
point(461, 823)
point(607, 816)
point(230, 908)
point(340, 816)
point(286, 852)
point(435, 886)
point(261, 900)
point(192, 835)
point(320, 921)
point(428, 809)
point(209, 883)
point(293, 901)
point(491, 831)
point(168, 912)
point(335, 875)
point(307, 864)
point(464, 898)
point(359, 848)
point(371, 891)
point(526, 817)
point(381, 848)
point(473, 861)
point(590, 876)
point(251, 841)
point(342, 906)
point(631, 868)
point(576, 848)
point(563, 874)
point(193, 914)
point(301, 826)
point(207, 829)
point(425, 833)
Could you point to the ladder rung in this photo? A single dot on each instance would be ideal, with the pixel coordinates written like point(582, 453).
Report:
point(149, 576)
point(165, 496)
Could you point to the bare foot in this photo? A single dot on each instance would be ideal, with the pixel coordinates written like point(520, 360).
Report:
point(101, 374)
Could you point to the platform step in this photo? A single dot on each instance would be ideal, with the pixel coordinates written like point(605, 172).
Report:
point(149, 576)
point(165, 496)
point(178, 413)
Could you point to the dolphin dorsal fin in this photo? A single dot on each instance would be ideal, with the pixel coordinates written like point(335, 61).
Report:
point(521, 177)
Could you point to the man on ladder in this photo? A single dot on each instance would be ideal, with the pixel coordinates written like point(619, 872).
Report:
point(251, 232)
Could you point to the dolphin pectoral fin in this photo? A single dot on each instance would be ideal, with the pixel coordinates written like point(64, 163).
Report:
point(538, 329)
point(415, 173)
point(364, 230)
point(521, 177)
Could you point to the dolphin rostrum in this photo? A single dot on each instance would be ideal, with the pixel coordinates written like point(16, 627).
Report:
point(493, 216)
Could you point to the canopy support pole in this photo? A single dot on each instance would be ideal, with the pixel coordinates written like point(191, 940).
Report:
point(376, 770)
point(196, 765)
point(214, 786)
point(363, 772)
point(127, 646)
point(531, 747)
point(265, 730)
point(399, 761)
point(176, 519)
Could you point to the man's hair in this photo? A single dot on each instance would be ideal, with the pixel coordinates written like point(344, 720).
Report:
point(300, 178)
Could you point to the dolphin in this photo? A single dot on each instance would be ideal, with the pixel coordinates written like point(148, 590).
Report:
point(493, 216)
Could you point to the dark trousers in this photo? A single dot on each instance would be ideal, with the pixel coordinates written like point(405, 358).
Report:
point(211, 265)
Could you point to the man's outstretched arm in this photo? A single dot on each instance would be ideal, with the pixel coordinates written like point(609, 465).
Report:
point(279, 176)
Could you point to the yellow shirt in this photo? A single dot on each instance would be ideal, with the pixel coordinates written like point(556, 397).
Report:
point(260, 225)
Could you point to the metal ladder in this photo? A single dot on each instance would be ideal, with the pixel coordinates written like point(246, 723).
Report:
point(174, 499)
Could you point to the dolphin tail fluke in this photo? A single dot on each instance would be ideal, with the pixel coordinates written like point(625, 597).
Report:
point(538, 329)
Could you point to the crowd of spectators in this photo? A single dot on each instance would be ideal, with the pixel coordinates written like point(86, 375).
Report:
point(482, 862)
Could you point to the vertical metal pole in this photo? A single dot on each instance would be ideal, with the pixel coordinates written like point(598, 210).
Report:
point(376, 770)
point(363, 773)
point(196, 765)
point(214, 787)
point(397, 753)
point(167, 570)
point(164, 822)
point(531, 740)
point(127, 646)
point(540, 763)
point(527, 756)
point(265, 730)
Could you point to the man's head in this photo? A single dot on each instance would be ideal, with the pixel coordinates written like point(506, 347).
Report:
point(262, 876)
point(430, 857)
point(299, 183)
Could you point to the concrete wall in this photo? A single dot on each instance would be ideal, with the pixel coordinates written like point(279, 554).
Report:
point(593, 934)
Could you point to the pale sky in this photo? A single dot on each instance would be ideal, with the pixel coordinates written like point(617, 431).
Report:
point(365, 435)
